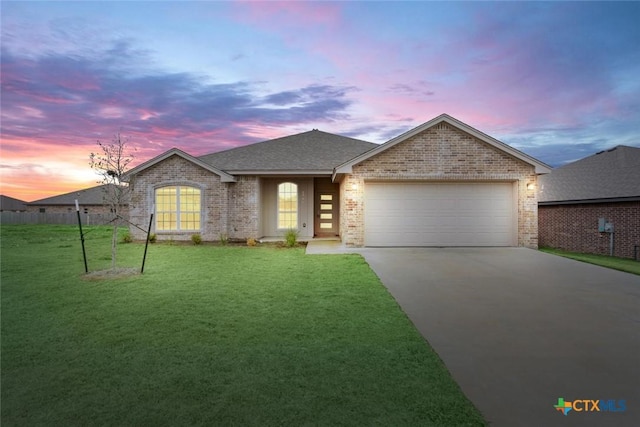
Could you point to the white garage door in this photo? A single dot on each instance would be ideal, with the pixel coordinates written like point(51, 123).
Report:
point(440, 214)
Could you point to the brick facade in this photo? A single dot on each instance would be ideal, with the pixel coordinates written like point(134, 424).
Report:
point(177, 171)
point(439, 153)
point(244, 207)
point(228, 209)
point(574, 227)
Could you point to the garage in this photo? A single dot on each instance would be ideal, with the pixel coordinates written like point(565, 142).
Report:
point(440, 214)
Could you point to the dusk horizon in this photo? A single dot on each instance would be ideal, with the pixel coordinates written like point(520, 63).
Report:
point(557, 81)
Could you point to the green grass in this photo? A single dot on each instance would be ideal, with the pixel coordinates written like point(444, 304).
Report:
point(622, 264)
point(209, 335)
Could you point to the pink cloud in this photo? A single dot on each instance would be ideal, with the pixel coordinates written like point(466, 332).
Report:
point(288, 14)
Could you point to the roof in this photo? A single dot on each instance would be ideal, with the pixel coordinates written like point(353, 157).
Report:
point(611, 175)
point(307, 152)
point(87, 196)
point(224, 177)
point(540, 167)
point(10, 204)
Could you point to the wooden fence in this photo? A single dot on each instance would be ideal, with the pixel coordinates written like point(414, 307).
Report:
point(70, 218)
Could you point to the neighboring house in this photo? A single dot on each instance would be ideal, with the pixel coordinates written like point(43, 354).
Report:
point(9, 204)
point(443, 183)
point(574, 197)
point(91, 201)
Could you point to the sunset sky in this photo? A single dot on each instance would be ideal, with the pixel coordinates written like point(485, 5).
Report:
point(557, 80)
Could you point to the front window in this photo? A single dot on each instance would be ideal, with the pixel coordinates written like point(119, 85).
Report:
point(178, 208)
point(287, 206)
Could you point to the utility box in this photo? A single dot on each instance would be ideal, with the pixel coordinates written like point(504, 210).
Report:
point(601, 223)
point(604, 226)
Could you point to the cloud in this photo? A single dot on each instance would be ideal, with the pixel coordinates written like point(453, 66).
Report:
point(72, 98)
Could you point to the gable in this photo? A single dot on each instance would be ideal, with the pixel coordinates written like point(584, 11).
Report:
point(175, 169)
point(174, 152)
point(442, 150)
point(448, 139)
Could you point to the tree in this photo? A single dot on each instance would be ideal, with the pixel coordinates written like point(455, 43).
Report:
point(111, 163)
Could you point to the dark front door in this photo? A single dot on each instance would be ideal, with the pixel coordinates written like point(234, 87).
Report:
point(326, 206)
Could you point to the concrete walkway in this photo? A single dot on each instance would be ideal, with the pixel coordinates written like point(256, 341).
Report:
point(519, 329)
point(327, 247)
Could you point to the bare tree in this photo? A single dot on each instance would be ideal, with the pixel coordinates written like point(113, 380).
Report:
point(111, 163)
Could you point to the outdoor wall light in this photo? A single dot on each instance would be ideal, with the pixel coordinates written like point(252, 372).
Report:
point(354, 186)
point(531, 186)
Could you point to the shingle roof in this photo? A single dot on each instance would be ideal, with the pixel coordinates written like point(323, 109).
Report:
point(11, 204)
point(308, 151)
point(611, 174)
point(87, 196)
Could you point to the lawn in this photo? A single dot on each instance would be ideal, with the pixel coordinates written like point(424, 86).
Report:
point(622, 264)
point(209, 335)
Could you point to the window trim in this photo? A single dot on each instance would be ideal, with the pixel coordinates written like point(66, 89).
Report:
point(178, 212)
point(297, 206)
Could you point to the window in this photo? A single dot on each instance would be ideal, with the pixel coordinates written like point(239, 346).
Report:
point(287, 206)
point(178, 208)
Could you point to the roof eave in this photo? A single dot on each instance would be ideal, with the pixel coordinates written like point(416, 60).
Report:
point(589, 201)
point(280, 172)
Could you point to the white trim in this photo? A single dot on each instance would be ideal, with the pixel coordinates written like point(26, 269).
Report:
point(178, 210)
point(297, 188)
point(224, 177)
point(347, 167)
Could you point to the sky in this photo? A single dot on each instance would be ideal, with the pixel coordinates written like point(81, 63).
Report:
point(557, 80)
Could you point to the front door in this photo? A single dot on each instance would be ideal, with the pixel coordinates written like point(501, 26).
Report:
point(326, 210)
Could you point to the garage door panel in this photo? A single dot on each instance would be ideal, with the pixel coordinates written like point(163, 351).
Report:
point(439, 214)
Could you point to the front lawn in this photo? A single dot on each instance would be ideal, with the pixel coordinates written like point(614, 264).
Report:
point(209, 335)
point(622, 264)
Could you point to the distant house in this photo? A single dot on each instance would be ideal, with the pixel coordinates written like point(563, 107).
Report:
point(91, 201)
point(9, 204)
point(573, 198)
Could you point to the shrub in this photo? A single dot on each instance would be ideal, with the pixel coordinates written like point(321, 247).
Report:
point(251, 241)
point(196, 239)
point(127, 238)
point(291, 237)
point(224, 239)
point(153, 238)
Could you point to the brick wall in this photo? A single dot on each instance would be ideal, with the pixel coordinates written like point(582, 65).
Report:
point(440, 153)
point(177, 171)
point(244, 200)
point(575, 227)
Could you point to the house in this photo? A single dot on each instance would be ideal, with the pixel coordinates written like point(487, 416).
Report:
point(442, 183)
point(9, 204)
point(91, 201)
point(574, 197)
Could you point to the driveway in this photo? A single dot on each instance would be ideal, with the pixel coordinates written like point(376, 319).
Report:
point(518, 329)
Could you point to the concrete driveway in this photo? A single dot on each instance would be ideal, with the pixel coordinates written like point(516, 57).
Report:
point(519, 329)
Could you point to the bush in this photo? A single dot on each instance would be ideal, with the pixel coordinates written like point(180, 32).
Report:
point(224, 239)
point(153, 238)
point(251, 241)
point(291, 238)
point(127, 238)
point(196, 239)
